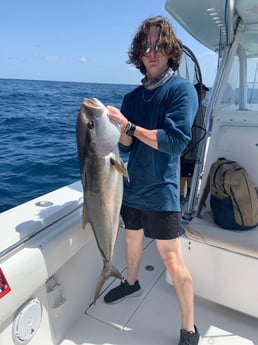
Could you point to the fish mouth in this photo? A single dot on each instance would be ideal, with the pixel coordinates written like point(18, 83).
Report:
point(93, 106)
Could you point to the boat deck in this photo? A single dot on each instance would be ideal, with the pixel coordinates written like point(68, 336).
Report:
point(154, 318)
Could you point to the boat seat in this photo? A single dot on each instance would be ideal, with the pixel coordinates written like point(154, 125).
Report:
point(205, 230)
point(234, 136)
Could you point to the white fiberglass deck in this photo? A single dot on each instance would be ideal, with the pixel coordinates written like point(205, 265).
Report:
point(154, 317)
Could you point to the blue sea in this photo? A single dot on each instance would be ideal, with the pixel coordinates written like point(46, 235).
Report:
point(38, 138)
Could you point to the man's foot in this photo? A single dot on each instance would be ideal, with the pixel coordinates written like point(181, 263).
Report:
point(189, 338)
point(122, 291)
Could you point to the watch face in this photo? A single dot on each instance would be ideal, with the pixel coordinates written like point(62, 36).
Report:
point(132, 129)
point(129, 129)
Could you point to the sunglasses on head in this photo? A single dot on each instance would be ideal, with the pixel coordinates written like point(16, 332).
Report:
point(148, 47)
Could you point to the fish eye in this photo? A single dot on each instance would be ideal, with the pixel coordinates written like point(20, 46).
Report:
point(90, 125)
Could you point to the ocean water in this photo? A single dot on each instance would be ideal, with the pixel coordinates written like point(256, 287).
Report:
point(38, 152)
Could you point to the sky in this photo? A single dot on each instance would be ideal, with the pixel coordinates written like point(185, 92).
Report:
point(81, 40)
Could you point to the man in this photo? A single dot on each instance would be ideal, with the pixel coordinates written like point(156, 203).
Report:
point(189, 156)
point(156, 120)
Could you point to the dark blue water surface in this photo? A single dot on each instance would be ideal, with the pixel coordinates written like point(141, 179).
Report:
point(38, 152)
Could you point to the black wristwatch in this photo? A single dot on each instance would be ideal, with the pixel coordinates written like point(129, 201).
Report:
point(129, 129)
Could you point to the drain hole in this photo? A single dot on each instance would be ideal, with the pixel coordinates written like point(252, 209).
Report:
point(149, 268)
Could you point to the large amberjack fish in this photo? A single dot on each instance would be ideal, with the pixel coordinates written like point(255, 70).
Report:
point(102, 180)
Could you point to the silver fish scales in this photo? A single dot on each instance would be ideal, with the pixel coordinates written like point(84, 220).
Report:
point(102, 179)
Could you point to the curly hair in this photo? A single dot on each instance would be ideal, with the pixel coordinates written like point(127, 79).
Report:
point(171, 45)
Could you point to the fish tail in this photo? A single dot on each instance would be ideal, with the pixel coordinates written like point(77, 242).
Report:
point(112, 272)
point(115, 273)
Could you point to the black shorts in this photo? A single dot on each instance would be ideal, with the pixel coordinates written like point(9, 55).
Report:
point(158, 225)
point(187, 168)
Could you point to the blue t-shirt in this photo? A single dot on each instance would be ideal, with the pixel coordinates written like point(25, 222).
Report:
point(154, 174)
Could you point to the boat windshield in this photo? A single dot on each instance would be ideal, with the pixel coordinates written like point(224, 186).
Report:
point(241, 88)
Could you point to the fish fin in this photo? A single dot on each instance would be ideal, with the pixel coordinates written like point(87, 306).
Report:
point(113, 272)
point(120, 167)
point(125, 170)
